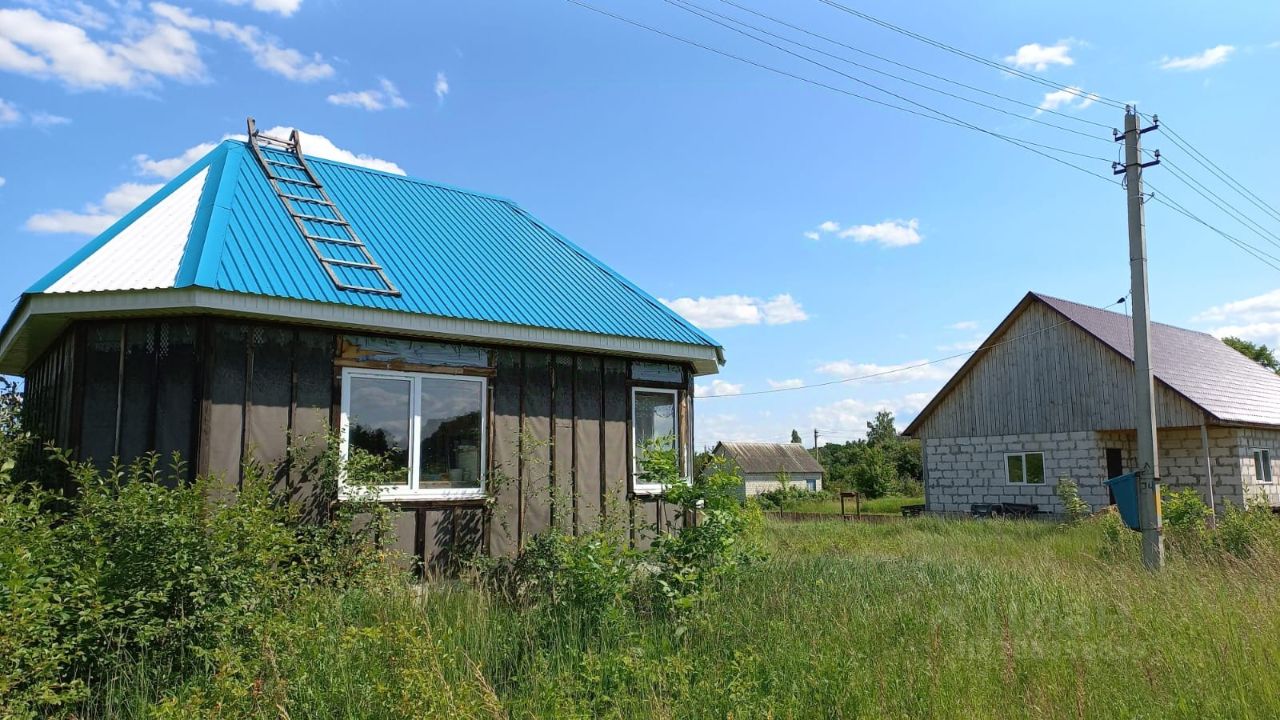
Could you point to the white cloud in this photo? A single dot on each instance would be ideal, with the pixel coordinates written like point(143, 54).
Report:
point(964, 325)
point(962, 345)
point(914, 371)
point(1264, 307)
point(1200, 61)
point(1039, 57)
point(788, 384)
point(712, 428)
point(732, 310)
point(284, 8)
point(1256, 319)
point(441, 86)
point(1070, 97)
point(850, 416)
point(95, 217)
point(717, 387)
point(35, 45)
point(9, 114)
point(384, 96)
point(264, 48)
point(166, 168)
point(890, 233)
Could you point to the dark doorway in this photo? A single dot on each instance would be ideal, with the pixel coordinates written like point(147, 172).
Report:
point(1115, 468)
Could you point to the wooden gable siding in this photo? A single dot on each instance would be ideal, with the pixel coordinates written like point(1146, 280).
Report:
point(1050, 379)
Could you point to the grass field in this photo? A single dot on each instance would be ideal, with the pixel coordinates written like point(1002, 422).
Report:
point(923, 618)
point(888, 505)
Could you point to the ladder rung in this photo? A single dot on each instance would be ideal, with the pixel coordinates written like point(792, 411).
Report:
point(276, 140)
point(316, 218)
point(285, 164)
point(361, 288)
point(352, 264)
point(335, 241)
point(299, 198)
point(304, 183)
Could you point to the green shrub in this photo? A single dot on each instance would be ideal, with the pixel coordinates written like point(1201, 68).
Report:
point(596, 578)
point(1074, 508)
point(1244, 531)
point(137, 562)
point(784, 498)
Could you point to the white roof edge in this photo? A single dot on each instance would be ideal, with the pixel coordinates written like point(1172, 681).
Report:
point(705, 359)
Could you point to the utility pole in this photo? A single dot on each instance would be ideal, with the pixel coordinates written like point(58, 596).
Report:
point(1144, 395)
point(815, 445)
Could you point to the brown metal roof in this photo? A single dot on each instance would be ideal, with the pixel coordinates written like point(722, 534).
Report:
point(769, 457)
point(1228, 386)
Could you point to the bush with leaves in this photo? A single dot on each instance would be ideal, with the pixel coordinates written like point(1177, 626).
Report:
point(783, 498)
point(596, 577)
point(1073, 507)
point(138, 562)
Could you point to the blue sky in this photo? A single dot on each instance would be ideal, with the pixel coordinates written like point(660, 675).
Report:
point(704, 180)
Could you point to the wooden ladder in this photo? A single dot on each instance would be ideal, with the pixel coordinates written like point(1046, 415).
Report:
point(344, 257)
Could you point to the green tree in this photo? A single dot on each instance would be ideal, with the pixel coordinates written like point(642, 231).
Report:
point(875, 473)
point(1256, 352)
point(795, 437)
point(881, 431)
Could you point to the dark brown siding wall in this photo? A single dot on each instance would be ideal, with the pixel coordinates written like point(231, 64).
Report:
point(140, 390)
point(561, 448)
point(224, 393)
point(47, 395)
point(269, 388)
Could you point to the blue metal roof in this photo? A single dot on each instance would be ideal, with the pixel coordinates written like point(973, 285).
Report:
point(452, 253)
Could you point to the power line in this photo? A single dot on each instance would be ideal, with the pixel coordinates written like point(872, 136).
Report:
point(699, 10)
point(944, 117)
point(1258, 253)
point(903, 368)
point(1218, 172)
point(912, 68)
point(970, 56)
point(1218, 202)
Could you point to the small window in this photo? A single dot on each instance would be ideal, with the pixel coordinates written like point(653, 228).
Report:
point(1025, 468)
point(1262, 465)
point(655, 417)
point(431, 425)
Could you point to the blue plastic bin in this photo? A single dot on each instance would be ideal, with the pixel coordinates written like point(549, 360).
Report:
point(1125, 490)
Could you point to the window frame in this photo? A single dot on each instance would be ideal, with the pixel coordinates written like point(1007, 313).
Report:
point(1262, 466)
point(638, 487)
point(1024, 482)
point(395, 493)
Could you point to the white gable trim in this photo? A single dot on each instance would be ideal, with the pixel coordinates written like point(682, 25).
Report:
point(146, 253)
point(17, 349)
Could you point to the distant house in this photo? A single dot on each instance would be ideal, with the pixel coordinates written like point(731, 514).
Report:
point(1051, 396)
point(263, 295)
point(764, 465)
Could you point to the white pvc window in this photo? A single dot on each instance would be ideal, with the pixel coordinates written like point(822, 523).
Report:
point(1024, 468)
point(1262, 465)
point(433, 426)
point(655, 415)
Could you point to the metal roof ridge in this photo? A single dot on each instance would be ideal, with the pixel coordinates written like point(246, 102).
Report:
point(395, 176)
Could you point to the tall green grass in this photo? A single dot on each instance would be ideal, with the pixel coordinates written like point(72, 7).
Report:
point(928, 618)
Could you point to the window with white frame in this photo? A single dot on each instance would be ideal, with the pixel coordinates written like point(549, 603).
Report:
point(655, 418)
point(432, 426)
point(1025, 468)
point(1262, 465)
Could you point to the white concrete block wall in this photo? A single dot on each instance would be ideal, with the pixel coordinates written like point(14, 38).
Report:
point(1247, 440)
point(965, 471)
